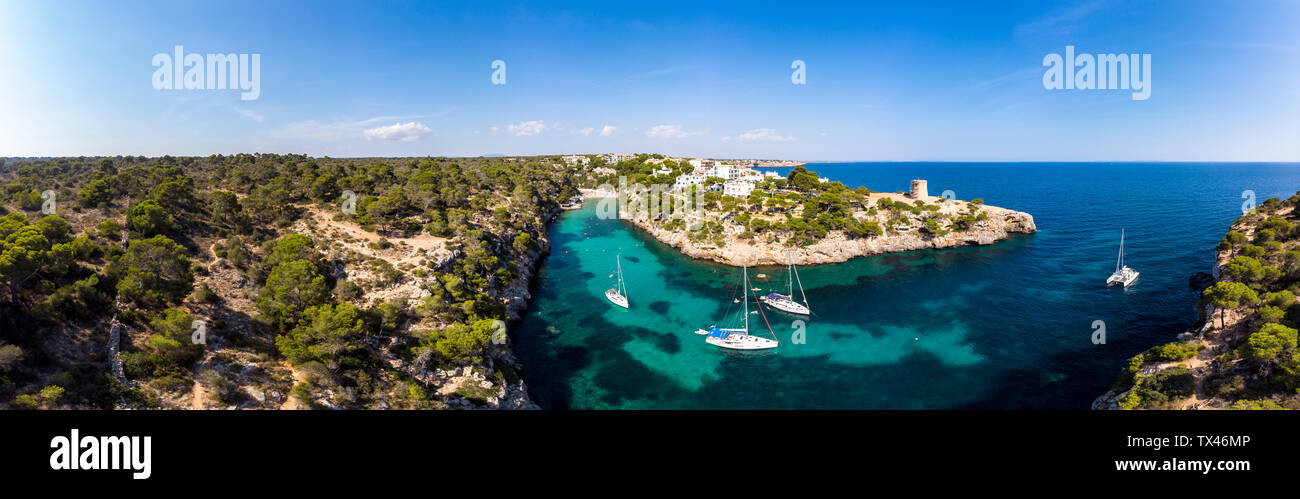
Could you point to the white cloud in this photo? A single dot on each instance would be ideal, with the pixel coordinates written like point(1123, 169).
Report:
point(336, 131)
point(608, 131)
point(763, 135)
point(400, 132)
point(585, 131)
point(670, 132)
point(248, 113)
point(527, 128)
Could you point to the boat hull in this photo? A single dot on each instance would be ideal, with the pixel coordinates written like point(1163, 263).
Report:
point(614, 297)
point(742, 342)
point(786, 305)
point(1124, 278)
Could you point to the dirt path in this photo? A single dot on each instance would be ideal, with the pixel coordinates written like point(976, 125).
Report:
point(1234, 329)
point(292, 403)
point(199, 394)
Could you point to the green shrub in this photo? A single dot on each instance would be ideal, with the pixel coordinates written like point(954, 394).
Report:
point(1176, 351)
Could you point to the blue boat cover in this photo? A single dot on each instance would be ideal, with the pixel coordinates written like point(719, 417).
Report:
point(718, 333)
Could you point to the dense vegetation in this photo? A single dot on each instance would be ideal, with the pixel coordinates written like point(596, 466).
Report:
point(1250, 342)
point(235, 249)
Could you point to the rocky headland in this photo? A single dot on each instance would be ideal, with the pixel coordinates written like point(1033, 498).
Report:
point(839, 246)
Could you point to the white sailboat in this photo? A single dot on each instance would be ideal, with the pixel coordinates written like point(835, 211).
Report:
point(1123, 274)
point(740, 339)
point(786, 303)
point(618, 294)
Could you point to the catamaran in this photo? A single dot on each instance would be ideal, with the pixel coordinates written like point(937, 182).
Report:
point(1123, 274)
point(618, 294)
point(786, 303)
point(740, 339)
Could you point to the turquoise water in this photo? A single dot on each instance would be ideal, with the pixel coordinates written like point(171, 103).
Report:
point(1002, 326)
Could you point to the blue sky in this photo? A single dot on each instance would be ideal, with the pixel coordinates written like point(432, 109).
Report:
point(885, 81)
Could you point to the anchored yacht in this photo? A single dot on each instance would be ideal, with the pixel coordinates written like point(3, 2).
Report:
point(786, 303)
point(618, 294)
point(740, 339)
point(1123, 274)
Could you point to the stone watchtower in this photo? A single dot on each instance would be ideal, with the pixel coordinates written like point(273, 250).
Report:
point(918, 189)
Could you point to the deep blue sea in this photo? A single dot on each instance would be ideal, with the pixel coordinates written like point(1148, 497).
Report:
point(1006, 326)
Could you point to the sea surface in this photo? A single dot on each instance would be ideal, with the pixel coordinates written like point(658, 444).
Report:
point(1005, 326)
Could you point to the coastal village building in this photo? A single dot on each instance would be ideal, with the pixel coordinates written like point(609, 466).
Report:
point(615, 158)
point(738, 188)
point(737, 181)
point(689, 179)
point(701, 163)
point(724, 172)
point(573, 160)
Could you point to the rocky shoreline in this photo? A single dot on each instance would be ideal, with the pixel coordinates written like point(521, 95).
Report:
point(837, 247)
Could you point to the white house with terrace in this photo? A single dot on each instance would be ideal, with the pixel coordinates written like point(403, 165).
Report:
point(738, 188)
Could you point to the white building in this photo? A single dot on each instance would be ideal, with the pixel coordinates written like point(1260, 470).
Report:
point(689, 179)
point(738, 188)
point(615, 158)
point(573, 160)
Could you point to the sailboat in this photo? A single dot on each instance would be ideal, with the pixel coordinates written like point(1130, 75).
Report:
point(740, 339)
point(786, 303)
point(618, 294)
point(1123, 274)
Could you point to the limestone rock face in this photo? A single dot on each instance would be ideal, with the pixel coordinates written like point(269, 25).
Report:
point(837, 247)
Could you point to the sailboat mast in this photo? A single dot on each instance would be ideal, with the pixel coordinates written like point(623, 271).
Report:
point(622, 288)
point(745, 293)
point(1119, 262)
point(793, 276)
point(802, 294)
point(789, 265)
